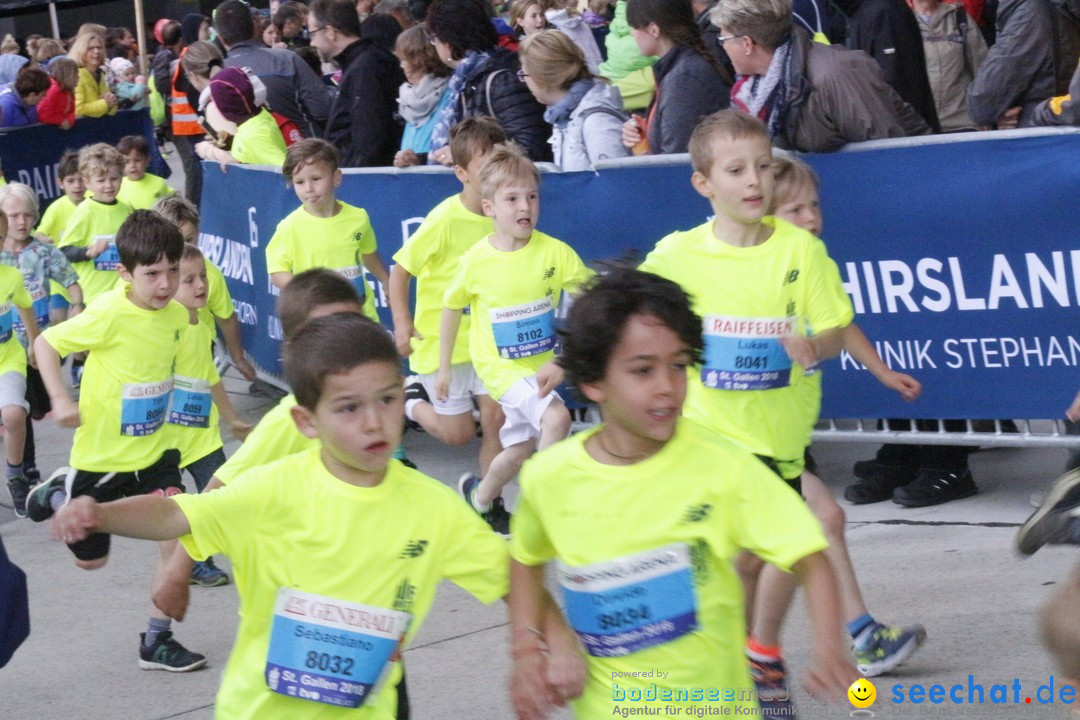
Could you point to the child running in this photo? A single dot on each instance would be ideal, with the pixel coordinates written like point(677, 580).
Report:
point(199, 398)
point(292, 658)
point(646, 571)
point(512, 283)
point(878, 648)
point(219, 305)
point(55, 219)
point(134, 333)
point(432, 255)
point(13, 362)
point(760, 284)
point(139, 189)
point(323, 231)
point(39, 264)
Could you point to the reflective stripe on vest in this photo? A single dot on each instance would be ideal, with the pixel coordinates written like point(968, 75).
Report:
point(185, 121)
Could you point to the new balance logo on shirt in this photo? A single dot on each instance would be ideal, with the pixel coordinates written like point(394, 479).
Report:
point(413, 549)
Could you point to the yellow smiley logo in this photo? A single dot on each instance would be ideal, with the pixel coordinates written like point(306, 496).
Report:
point(862, 693)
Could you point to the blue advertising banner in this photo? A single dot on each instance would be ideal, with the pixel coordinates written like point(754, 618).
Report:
point(30, 154)
point(962, 259)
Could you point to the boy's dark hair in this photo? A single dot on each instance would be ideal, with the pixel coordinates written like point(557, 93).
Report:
point(233, 22)
point(597, 318)
point(474, 136)
point(68, 165)
point(309, 290)
point(310, 56)
point(145, 237)
point(31, 80)
point(191, 252)
point(133, 142)
point(338, 14)
point(307, 151)
point(333, 344)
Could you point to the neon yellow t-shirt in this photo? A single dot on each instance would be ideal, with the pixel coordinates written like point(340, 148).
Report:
point(53, 223)
point(748, 298)
point(13, 292)
point(258, 141)
point(127, 380)
point(90, 221)
point(432, 255)
point(218, 299)
point(142, 194)
point(193, 421)
point(685, 513)
point(275, 437)
point(292, 524)
point(303, 241)
point(513, 297)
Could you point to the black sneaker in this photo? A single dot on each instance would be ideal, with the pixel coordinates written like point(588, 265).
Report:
point(497, 517)
point(877, 481)
point(934, 487)
point(1057, 521)
point(414, 390)
point(38, 505)
point(167, 654)
point(19, 488)
point(32, 474)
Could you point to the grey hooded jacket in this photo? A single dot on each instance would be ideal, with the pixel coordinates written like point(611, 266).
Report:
point(594, 131)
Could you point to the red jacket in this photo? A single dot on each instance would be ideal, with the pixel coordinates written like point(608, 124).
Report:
point(57, 105)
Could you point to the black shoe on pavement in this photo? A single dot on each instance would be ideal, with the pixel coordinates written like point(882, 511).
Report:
point(877, 481)
point(167, 654)
point(19, 487)
point(934, 487)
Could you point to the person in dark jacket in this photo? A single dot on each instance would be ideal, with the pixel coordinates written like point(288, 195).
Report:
point(887, 31)
point(362, 122)
point(292, 88)
point(485, 79)
point(690, 83)
point(161, 67)
point(1038, 42)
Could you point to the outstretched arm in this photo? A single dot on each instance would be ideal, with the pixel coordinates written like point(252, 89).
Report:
point(148, 517)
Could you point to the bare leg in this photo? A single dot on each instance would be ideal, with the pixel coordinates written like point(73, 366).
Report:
point(491, 419)
point(454, 430)
point(554, 425)
point(503, 469)
point(14, 418)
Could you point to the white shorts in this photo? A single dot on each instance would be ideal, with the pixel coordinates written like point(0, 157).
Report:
point(523, 409)
point(13, 390)
point(464, 385)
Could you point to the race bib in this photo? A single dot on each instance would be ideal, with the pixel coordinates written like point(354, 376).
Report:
point(40, 296)
point(330, 651)
point(355, 275)
point(745, 353)
point(143, 407)
point(7, 321)
point(191, 402)
point(632, 603)
point(524, 330)
point(109, 259)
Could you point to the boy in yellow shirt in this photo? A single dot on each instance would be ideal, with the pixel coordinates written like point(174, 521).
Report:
point(134, 333)
point(647, 571)
point(760, 285)
point(432, 255)
point(13, 359)
point(199, 398)
point(55, 219)
point(512, 282)
point(39, 264)
point(323, 231)
point(89, 241)
point(139, 189)
point(219, 305)
point(330, 500)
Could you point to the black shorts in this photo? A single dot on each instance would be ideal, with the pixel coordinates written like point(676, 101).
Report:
point(795, 482)
point(161, 478)
point(36, 395)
